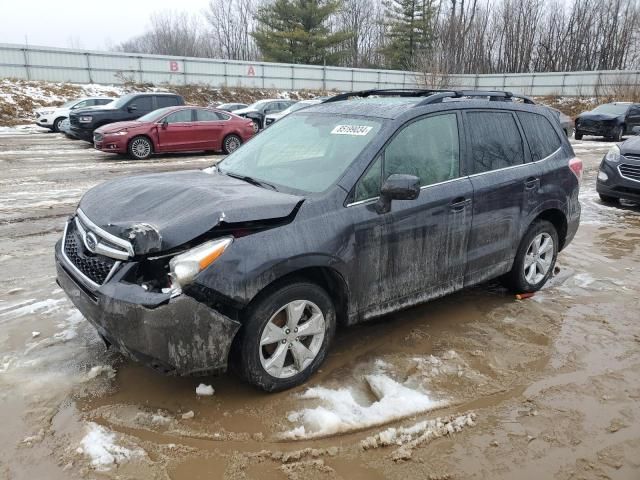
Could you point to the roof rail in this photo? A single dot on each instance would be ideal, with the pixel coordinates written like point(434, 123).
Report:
point(385, 92)
point(493, 96)
point(431, 95)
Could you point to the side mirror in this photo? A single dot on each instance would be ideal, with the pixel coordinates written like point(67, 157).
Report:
point(131, 108)
point(397, 187)
point(636, 130)
point(164, 124)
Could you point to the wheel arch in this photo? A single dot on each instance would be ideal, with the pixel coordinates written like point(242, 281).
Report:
point(558, 219)
point(147, 136)
point(324, 276)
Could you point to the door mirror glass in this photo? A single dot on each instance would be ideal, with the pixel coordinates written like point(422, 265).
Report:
point(397, 187)
point(164, 123)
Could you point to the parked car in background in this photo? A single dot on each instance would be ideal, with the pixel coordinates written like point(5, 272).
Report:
point(611, 120)
point(65, 127)
point(175, 129)
point(231, 107)
point(337, 214)
point(619, 173)
point(274, 117)
point(565, 121)
point(257, 111)
point(129, 107)
point(52, 117)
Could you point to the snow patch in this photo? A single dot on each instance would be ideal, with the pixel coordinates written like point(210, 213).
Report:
point(341, 412)
point(204, 390)
point(99, 444)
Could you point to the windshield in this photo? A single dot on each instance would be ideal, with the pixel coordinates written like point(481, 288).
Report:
point(611, 108)
point(304, 152)
point(257, 105)
point(155, 115)
point(122, 101)
point(68, 104)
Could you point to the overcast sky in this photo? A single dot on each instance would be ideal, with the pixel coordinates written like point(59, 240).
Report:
point(86, 24)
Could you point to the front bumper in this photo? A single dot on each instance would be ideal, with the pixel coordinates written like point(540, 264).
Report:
point(82, 133)
point(174, 335)
point(113, 144)
point(597, 129)
point(617, 185)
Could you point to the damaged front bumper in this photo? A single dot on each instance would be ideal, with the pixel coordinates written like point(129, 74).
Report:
point(174, 335)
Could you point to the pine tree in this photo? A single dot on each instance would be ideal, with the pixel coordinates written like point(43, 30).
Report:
point(410, 32)
point(295, 31)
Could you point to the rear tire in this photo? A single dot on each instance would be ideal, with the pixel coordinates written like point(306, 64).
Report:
point(617, 134)
point(577, 136)
point(535, 259)
point(231, 143)
point(140, 148)
point(268, 352)
point(608, 199)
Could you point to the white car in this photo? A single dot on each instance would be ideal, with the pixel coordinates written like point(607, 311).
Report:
point(274, 117)
point(52, 117)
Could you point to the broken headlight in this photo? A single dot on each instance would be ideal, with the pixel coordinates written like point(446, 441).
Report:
point(185, 267)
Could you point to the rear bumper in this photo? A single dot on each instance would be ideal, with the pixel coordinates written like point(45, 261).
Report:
point(174, 335)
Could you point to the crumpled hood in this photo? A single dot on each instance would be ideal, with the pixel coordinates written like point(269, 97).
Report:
point(598, 117)
point(114, 127)
point(161, 211)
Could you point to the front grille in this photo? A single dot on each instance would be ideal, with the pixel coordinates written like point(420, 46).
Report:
point(97, 137)
point(632, 172)
point(73, 120)
point(632, 156)
point(95, 267)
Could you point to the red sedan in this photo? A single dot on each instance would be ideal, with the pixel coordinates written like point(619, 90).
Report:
point(175, 129)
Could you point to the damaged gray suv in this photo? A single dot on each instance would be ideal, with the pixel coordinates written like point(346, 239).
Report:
point(342, 212)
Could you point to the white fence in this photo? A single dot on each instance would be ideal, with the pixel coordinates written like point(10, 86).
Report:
point(84, 66)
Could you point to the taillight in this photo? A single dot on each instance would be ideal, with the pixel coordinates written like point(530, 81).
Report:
point(575, 164)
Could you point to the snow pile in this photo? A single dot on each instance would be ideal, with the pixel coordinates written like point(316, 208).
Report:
point(204, 390)
point(341, 412)
point(423, 432)
point(99, 445)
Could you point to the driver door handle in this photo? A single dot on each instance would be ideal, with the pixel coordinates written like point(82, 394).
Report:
point(460, 203)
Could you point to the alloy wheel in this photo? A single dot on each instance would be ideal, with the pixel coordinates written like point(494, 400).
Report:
point(292, 339)
point(141, 147)
point(538, 258)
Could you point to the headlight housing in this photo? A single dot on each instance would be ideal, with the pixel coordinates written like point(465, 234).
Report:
point(46, 112)
point(185, 267)
point(613, 155)
point(85, 119)
point(119, 132)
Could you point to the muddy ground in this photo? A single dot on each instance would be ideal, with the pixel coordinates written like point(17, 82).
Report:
point(542, 388)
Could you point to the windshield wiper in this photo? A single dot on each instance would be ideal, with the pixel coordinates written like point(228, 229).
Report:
point(250, 180)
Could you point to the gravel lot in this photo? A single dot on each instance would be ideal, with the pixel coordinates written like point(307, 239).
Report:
point(542, 388)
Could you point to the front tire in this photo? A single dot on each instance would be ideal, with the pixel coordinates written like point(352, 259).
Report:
point(57, 123)
point(231, 143)
point(608, 199)
point(535, 259)
point(577, 136)
point(256, 125)
point(286, 336)
point(140, 148)
point(617, 134)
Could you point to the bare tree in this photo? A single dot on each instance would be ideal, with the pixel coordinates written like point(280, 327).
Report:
point(232, 22)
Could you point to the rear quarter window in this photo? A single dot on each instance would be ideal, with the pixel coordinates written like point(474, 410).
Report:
point(542, 138)
point(166, 101)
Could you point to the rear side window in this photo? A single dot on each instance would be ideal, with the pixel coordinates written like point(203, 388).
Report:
point(103, 101)
point(495, 141)
point(541, 136)
point(143, 104)
point(166, 101)
point(427, 148)
point(207, 116)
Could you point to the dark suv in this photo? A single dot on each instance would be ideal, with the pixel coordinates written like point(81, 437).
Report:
point(257, 111)
point(611, 120)
point(127, 107)
point(619, 173)
point(339, 213)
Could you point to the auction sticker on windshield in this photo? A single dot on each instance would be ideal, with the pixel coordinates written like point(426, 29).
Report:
point(359, 130)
